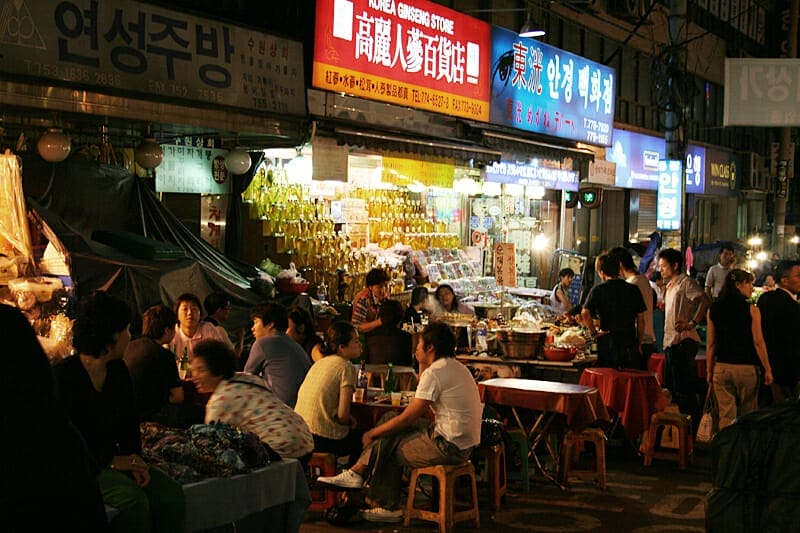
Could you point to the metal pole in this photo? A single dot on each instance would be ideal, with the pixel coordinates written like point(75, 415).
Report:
point(674, 137)
point(784, 152)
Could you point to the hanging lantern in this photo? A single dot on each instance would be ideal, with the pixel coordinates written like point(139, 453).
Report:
point(54, 146)
point(238, 161)
point(148, 154)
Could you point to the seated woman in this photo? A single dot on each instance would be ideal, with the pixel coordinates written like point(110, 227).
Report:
point(190, 330)
point(389, 343)
point(96, 390)
point(156, 386)
point(326, 394)
point(244, 401)
point(417, 308)
point(301, 329)
point(449, 303)
point(47, 454)
point(408, 440)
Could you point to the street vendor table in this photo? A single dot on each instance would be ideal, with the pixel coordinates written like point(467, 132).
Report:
point(658, 360)
point(563, 371)
point(581, 406)
point(367, 414)
point(273, 498)
point(634, 395)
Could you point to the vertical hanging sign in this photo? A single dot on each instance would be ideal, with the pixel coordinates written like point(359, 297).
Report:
point(505, 264)
point(670, 197)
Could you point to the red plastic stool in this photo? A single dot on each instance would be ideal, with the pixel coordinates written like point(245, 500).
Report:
point(321, 464)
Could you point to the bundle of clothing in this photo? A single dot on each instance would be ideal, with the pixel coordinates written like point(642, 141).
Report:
point(203, 451)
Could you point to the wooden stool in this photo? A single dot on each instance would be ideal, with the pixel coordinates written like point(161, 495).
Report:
point(446, 516)
point(322, 497)
point(571, 453)
point(683, 423)
point(495, 456)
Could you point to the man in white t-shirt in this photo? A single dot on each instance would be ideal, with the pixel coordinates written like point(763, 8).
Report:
point(715, 278)
point(408, 439)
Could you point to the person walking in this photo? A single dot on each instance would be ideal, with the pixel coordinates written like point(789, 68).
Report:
point(735, 347)
point(685, 305)
point(715, 278)
point(780, 322)
point(629, 273)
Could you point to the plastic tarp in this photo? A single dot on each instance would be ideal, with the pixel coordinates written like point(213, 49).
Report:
point(13, 215)
point(756, 474)
point(75, 197)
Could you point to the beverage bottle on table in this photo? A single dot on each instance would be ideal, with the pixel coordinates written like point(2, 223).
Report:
point(481, 334)
point(361, 383)
point(390, 385)
point(184, 365)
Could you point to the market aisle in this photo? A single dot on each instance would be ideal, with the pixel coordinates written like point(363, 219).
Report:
point(638, 499)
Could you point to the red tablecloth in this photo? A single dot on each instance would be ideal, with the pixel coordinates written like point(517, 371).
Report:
point(657, 361)
point(368, 413)
point(634, 394)
point(582, 406)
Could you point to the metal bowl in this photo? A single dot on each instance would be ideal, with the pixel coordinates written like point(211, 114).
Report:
point(515, 344)
point(492, 310)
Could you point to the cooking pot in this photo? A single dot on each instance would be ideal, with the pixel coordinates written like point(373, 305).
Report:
point(520, 344)
point(490, 311)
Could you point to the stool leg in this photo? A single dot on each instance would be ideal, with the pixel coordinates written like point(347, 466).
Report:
point(447, 505)
point(651, 444)
point(475, 501)
point(412, 490)
point(566, 456)
point(683, 443)
point(600, 452)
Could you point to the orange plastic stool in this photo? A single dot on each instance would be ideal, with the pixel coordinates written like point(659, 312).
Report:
point(684, 452)
point(571, 452)
point(495, 456)
point(446, 515)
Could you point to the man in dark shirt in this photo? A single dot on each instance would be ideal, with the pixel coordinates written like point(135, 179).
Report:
point(780, 322)
point(621, 310)
point(154, 372)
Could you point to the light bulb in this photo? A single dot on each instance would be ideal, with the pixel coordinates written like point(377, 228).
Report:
point(54, 145)
point(238, 161)
point(148, 154)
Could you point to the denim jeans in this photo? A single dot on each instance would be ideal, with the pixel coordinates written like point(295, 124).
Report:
point(736, 390)
point(680, 377)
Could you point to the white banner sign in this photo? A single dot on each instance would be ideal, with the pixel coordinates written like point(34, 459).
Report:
point(762, 92)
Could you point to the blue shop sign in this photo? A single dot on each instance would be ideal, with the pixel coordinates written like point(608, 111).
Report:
point(668, 207)
point(637, 156)
point(540, 88)
point(549, 178)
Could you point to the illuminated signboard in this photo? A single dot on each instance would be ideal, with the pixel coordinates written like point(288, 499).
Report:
point(722, 178)
point(540, 88)
point(416, 54)
point(122, 45)
point(550, 178)
point(668, 207)
point(637, 157)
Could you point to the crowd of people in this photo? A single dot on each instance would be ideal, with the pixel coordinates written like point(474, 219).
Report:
point(293, 389)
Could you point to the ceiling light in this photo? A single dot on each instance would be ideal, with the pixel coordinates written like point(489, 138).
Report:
point(148, 154)
point(238, 161)
point(531, 28)
point(54, 145)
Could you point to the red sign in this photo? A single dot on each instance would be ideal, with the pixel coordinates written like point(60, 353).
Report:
point(505, 264)
point(417, 54)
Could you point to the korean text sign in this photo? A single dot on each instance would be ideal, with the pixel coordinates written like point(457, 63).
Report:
point(670, 196)
point(550, 178)
point(128, 46)
point(762, 92)
point(637, 157)
point(540, 88)
point(416, 53)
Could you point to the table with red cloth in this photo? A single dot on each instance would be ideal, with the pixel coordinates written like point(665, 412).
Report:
point(634, 395)
point(658, 360)
point(579, 405)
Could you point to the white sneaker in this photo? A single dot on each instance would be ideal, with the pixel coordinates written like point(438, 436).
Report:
point(347, 479)
point(379, 514)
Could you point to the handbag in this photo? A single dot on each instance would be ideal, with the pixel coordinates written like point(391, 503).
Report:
point(705, 430)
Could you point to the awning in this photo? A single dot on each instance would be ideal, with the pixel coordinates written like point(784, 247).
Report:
point(400, 143)
point(524, 148)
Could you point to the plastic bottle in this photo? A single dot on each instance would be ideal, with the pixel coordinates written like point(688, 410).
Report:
point(389, 384)
point(481, 334)
point(322, 292)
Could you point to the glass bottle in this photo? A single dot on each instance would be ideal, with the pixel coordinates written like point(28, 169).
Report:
point(390, 385)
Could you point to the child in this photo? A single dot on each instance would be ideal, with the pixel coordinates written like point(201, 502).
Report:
point(559, 299)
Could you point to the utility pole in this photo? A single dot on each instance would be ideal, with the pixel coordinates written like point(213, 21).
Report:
point(784, 152)
point(674, 136)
